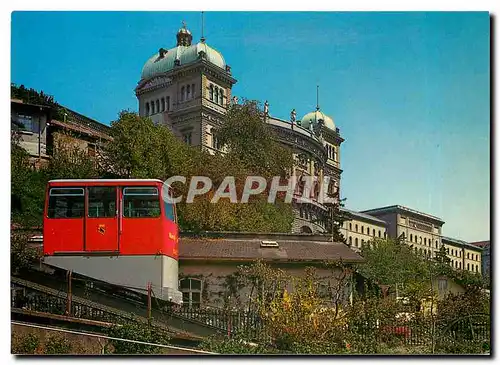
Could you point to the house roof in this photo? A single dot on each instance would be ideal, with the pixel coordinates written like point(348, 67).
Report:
point(292, 248)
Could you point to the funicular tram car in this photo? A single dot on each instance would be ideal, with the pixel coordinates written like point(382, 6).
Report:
point(122, 232)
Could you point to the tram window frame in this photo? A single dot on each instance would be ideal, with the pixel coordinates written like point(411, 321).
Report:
point(139, 194)
point(53, 198)
point(89, 202)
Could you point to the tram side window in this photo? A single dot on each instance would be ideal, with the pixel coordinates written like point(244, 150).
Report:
point(141, 202)
point(169, 208)
point(102, 202)
point(66, 203)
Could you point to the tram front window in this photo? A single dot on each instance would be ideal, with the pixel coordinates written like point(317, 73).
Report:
point(141, 202)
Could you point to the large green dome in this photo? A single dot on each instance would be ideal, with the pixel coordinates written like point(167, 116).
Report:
point(314, 117)
point(185, 54)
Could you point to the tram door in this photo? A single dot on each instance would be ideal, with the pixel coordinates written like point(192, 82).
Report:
point(101, 225)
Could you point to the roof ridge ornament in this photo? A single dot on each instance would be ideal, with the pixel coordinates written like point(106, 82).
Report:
point(202, 39)
point(317, 97)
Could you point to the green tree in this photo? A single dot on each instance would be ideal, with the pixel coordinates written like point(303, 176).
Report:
point(27, 188)
point(391, 263)
point(249, 139)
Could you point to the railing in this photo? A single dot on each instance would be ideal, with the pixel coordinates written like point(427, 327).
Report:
point(228, 321)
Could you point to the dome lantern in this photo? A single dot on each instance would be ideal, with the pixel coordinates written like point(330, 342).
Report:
point(184, 36)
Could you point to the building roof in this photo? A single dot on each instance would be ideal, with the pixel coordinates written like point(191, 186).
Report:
point(86, 122)
point(314, 117)
point(20, 102)
point(247, 247)
point(460, 243)
point(395, 208)
point(364, 216)
point(156, 65)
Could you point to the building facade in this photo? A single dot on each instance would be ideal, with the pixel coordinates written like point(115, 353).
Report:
point(207, 264)
point(485, 257)
point(362, 229)
point(189, 89)
point(29, 122)
point(422, 231)
point(463, 255)
point(40, 132)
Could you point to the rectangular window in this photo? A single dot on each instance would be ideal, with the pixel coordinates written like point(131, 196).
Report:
point(191, 292)
point(66, 203)
point(442, 285)
point(168, 103)
point(187, 138)
point(141, 202)
point(169, 210)
point(26, 121)
point(102, 202)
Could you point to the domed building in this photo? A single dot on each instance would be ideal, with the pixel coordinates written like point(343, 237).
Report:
point(188, 88)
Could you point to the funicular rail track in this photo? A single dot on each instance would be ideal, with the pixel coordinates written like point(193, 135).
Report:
point(94, 300)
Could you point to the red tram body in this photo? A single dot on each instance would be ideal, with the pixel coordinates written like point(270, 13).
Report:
point(123, 232)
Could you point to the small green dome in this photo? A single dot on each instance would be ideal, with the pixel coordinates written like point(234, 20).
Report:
point(185, 54)
point(314, 117)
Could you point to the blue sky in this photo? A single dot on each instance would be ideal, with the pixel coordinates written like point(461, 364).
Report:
point(410, 92)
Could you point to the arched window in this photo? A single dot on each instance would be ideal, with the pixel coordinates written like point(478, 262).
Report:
point(157, 105)
point(306, 229)
point(168, 102)
point(152, 107)
point(147, 109)
point(350, 241)
point(188, 92)
point(420, 251)
point(436, 244)
point(350, 226)
point(362, 229)
point(216, 97)
point(367, 230)
point(468, 266)
point(459, 265)
point(477, 268)
point(211, 92)
point(221, 97)
point(425, 241)
point(356, 227)
point(356, 242)
point(182, 93)
point(191, 292)
point(162, 104)
point(467, 258)
point(456, 264)
point(411, 237)
point(379, 233)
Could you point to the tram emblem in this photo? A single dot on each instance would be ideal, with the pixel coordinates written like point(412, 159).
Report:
point(101, 228)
